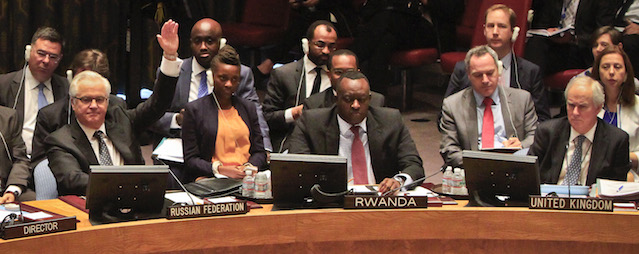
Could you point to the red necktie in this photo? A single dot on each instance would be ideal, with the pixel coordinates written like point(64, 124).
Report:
point(358, 158)
point(488, 127)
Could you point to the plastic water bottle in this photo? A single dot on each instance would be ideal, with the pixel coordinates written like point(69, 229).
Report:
point(457, 180)
point(446, 181)
point(261, 185)
point(248, 184)
point(464, 190)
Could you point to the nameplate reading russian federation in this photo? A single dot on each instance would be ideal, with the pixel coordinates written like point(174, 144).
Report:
point(205, 210)
point(580, 204)
point(39, 227)
point(386, 202)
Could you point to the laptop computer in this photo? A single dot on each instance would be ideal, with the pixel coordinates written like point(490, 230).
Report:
point(293, 175)
point(497, 179)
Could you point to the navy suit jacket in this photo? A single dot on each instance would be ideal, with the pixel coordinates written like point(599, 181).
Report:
point(245, 89)
point(199, 132)
point(530, 80)
point(391, 146)
point(609, 156)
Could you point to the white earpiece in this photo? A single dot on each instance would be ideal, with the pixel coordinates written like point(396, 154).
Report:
point(305, 46)
point(27, 52)
point(222, 42)
point(209, 77)
point(515, 34)
point(500, 67)
point(69, 75)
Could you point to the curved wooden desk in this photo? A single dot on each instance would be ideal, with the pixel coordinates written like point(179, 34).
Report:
point(433, 230)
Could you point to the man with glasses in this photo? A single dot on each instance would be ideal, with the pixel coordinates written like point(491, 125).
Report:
point(104, 135)
point(291, 84)
point(518, 72)
point(339, 62)
point(36, 86)
point(192, 82)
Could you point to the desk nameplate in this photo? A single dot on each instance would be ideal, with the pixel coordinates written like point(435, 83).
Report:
point(206, 210)
point(579, 204)
point(39, 227)
point(384, 202)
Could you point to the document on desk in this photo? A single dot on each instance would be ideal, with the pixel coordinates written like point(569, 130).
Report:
point(183, 197)
point(170, 149)
point(618, 189)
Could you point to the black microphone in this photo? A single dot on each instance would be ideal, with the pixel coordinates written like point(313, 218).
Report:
point(178, 181)
point(414, 183)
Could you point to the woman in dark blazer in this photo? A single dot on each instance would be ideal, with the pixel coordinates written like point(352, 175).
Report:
point(220, 131)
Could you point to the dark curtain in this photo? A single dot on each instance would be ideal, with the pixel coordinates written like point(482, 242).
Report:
point(124, 30)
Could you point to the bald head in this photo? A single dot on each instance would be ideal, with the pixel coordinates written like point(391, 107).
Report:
point(205, 40)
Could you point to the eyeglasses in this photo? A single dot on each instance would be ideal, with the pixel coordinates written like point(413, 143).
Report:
point(86, 100)
point(43, 54)
point(322, 45)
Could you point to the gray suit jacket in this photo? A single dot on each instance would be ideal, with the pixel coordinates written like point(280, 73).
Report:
point(10, 84)
point(527, 75)
point(391, 146)
point(14, 167)
point(245, 90)
point(458, 124)
point(69, 150)
point(286, 88)
point(327, 99)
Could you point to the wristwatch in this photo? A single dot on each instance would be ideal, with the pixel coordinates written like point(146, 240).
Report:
point(15, 193)
point(400, 179)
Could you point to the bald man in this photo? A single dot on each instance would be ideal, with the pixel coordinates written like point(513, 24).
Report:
point(192, 83)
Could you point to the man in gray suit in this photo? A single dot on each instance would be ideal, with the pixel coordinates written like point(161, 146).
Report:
point(15, 176)
point(102, 135)
point(339, 62)
point(375, 140)
point(193, 84)
point(485, 115)
point(36, 86)
point(287, 88)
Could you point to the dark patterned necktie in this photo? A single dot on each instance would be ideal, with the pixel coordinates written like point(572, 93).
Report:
point(574, 168)
point(105, 157)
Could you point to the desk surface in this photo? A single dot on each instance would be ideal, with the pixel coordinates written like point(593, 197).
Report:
point(440, 229)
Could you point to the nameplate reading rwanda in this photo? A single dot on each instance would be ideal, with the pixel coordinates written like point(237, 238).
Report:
point(205, 210)
point(580, 204)
point(385, 202)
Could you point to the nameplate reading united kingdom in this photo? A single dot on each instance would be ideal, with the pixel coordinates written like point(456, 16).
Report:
point(385, 202)
point(580, 204)
point(206, 210)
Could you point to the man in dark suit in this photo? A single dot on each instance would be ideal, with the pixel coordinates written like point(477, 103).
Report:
point(485, 115)
point(578, 149)
point(15, 177)
point(518, 72)
point(375, 140)
point(192, 82)
point(569, 50)
point(287, 87)
point(99, 136)
point(339, 62)
point(32, 88)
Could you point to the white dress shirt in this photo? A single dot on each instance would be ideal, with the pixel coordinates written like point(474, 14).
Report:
point(505, 74)
point(115, 155)
point(309, 74)
point(31, 92)
point(586, 151)
point(498, 119)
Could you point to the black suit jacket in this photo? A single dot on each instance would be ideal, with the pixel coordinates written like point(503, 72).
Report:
point(591, 14)
point(199, 132)
point(53, 117)
point(530, 80)
point(10, 84)
point(327, 99)
point(391, 146)
point(14, 166)
point(609, 156)
point(70, 153)
point(286, 88)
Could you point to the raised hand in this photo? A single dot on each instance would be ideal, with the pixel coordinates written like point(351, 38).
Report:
point(168, 39)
